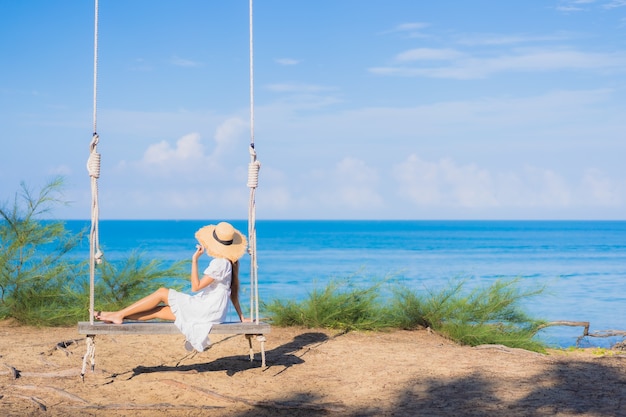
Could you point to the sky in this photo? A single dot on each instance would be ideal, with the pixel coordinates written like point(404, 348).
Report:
point(376, 109)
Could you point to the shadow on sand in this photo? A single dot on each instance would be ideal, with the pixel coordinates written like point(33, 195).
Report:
point(565, 389)
point(283, 355)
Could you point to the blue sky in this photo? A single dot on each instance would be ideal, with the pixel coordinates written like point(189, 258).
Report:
point(377, 109)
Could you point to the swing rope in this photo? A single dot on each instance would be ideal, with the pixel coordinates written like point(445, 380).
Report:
point(93, 167)
point(253, 181)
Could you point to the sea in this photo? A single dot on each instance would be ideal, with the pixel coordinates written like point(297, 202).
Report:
point(581, 264)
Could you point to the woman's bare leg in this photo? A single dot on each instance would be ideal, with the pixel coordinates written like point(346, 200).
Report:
point(160, 312)
point(147, 306)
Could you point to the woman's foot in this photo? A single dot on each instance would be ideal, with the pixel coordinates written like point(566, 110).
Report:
point(109, 317)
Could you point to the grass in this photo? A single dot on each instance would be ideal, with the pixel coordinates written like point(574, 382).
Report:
point(487, 315)
point(339, 305)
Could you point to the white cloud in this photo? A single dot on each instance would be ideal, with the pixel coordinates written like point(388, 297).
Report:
point(287, 61)
point(418, 181)
point(446, 184)
point(500, 39)
point(277, 199)
point(297, 88)
point(191, 177)
point(187, 149)
point(229, 133)
point(540, 187)
point(352, 184)
point(598, 189)
point(579, 5)
point(63, 170)
point(412, 30)
point(190, 154)
point(613, 4)
point(520, 61)
point(141, 65)
point(421, 54)
point(182, 62)
point(568, 9)
point(410, 26)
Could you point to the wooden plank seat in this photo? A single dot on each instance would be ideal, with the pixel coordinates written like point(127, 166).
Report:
point(167, 327)
point(163, 327)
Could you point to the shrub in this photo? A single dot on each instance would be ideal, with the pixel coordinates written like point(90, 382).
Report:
point(33, 268)
point(121, 283)
point(40, 286)
point(485, 315)
point(489, 315)
point(339, 305)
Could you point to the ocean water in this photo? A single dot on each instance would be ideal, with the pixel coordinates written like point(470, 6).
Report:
point(581, 263)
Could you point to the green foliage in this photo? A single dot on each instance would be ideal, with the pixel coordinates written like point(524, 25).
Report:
point(487, 315)
point(118, 285)
point(490, 315)
point(40, 286)
point(339, 305)
point(33, 266)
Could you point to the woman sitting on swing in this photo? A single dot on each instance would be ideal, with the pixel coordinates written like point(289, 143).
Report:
point(194, 315)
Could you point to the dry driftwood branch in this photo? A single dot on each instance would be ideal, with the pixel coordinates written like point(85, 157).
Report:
point(131, 406)
point(607, 333)
point(584, 324)
point(331, 408)
point(25, 374)
point(36, 400)
point(12, 371)
point(507, 349)
point(62, 346)
point(47, 362)
point(57, 391)
point(205, 391)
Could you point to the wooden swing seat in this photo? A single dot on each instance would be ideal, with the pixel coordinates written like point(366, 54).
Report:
point(165, 327)
point(250, 330)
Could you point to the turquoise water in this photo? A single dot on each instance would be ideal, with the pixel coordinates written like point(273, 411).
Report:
point(583, 264)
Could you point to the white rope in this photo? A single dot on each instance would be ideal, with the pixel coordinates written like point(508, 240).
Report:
point(90, 355)
point(95, 67)
point(93, 167)
point(253, 181)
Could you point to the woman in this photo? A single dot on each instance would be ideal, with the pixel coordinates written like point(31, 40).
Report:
point(194, 315)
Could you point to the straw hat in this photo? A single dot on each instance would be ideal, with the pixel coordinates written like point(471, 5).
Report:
point(222, 241)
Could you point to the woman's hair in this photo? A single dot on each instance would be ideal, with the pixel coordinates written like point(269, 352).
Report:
point(234, 281)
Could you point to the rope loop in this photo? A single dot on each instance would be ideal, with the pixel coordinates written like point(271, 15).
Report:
point(94, 141)
point(253, 174)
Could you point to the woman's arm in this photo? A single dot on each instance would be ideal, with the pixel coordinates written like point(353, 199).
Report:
point(196, 283)
point(235, 300)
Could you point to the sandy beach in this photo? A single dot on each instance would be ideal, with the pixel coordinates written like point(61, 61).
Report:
point(309, 373)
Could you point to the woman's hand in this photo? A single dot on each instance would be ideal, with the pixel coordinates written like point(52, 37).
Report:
point(199, 251)
point(246, 320)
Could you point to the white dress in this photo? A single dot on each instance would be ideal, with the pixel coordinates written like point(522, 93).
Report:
point(195, 314)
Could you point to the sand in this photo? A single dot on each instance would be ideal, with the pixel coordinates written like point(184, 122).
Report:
point(309, 373)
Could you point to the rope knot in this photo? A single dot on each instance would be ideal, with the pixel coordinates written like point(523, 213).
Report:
point(253, 174)
point(93, 165)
